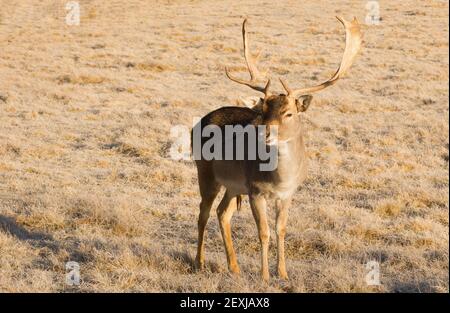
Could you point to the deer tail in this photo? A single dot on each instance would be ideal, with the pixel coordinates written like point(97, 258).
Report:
point(239, 202)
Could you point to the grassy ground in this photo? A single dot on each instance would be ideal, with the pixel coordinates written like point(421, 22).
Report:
point(85, 118)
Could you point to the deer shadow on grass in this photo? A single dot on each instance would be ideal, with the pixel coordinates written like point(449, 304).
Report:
point(160, 258)
point(36, 239)
point(39, 239)
point(186, 258)
point(183, 257)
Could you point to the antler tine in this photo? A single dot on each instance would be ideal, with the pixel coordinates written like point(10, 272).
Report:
point(266, 88)
point(353, 39)
point(254, 73)
point(285, 86)
point(249, 83)
point(251, 66)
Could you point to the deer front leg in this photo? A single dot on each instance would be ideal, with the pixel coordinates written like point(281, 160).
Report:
point(282, 214)
point(258, 204)
point(225, 211)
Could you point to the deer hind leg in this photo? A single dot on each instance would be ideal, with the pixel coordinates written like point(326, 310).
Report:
point(258, 204)
point(282, 214)
point(208, 191)
point(225, 211)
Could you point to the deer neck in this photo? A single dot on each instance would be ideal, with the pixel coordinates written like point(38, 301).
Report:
point(290, 157)
point(289, 173)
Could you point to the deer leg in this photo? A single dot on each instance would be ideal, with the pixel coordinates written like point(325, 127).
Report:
point(205, 208)
point(208, 191)
point(258, 204)
point(282, 214)
point(225, 211)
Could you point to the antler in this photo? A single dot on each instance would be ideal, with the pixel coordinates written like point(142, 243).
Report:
point(251, 66)
point(353, 41)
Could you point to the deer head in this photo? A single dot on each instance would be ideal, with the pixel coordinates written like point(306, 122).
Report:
point(283, 109)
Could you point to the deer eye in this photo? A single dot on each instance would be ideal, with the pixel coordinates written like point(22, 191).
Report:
point(288, 115)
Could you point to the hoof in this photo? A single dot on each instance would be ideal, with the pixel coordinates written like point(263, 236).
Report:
point(235, 270)
point(199, 265)
point(283, 276)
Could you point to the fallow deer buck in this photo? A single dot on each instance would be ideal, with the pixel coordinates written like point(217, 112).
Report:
point(244, 177)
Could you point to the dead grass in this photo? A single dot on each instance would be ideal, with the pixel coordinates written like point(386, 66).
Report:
point(85, 117)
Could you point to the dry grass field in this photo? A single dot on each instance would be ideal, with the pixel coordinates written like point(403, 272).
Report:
point(85, 119)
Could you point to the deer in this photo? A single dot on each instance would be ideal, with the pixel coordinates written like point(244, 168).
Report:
point(244, 177)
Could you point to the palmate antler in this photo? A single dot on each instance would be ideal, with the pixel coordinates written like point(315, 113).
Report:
point(251, 66)
point(353, 39)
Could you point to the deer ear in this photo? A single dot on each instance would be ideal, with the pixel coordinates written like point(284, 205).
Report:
point(249, 102)
point(303, 103)
point(254, 103)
